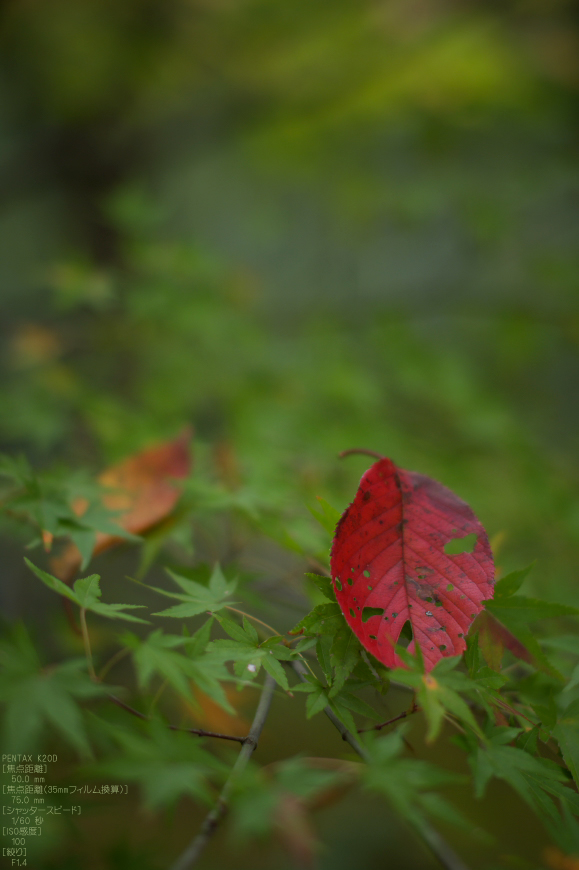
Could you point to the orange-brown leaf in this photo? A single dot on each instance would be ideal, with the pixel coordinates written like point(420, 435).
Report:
point(209, 715)
point(494, 638)
point(142, 488)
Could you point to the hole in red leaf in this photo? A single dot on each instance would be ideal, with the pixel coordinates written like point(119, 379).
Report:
point(460, 545)
point(373, 637)
point(366, 573)
point(352, 612)
point(369, 612)
point(442, 647)
point(350, 581)
point(406, 635)
point(338, 583)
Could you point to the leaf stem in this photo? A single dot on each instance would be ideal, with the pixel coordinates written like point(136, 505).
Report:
point(192, 852)
point(361, 450)
point(429, 835)
point(86, 641)
point(255, 619)
point(120, 654)
point(157, 695)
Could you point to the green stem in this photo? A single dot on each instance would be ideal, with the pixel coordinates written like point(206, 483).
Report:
point(86, 641)
point(158, 694)
point(192, 852)
point(120, 654)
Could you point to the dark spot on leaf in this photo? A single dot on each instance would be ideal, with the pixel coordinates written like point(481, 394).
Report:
point(461, 635)
point(460, 545)
point(369, 612)
point(366, 495)
point(406, 635)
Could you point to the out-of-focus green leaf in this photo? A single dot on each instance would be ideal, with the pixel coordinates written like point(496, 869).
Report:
point(566, 732)
point(165, 764)
point(327, 516)
point(35, 697)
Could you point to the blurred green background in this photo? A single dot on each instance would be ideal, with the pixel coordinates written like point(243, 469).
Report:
point(300, 227)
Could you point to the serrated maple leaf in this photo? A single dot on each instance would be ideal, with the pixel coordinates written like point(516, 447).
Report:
point(141, 489)
point(409, 550)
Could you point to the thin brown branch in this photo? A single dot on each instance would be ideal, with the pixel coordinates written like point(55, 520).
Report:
point(199, 732)
point(414, 709)
point(188, 858)
point(360, 450)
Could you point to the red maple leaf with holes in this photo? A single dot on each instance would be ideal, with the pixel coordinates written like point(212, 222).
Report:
point(396, 559)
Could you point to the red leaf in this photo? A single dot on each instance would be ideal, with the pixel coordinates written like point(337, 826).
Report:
point(388, 555)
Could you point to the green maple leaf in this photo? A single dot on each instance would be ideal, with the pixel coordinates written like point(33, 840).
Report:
point(198, 598)
point(244, 648)
point(86, 592)
point(437, 693)
point(536, 780)
point(408, 783)
point(323, 619)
